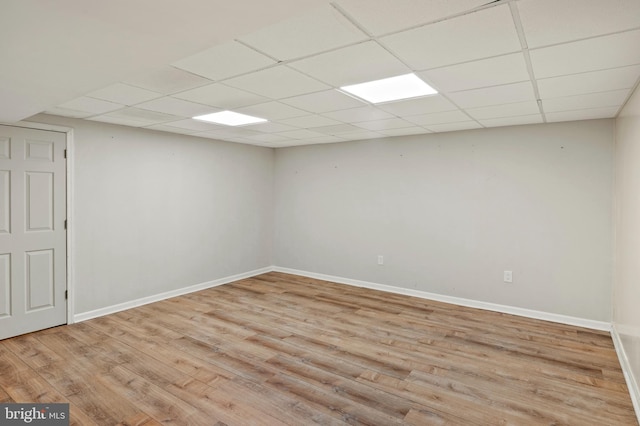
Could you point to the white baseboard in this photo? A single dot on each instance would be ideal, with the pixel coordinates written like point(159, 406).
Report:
point(167, 295)
point(529, 313)
point(632, 384)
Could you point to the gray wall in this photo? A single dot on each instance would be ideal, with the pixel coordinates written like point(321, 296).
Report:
point(626, 290)
point(450, 212)
point(156, 212)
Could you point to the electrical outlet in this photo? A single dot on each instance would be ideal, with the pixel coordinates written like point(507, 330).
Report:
point(380, 259)
point(508, 276)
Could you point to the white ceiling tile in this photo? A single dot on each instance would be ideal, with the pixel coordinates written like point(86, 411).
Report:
point(91, 105)
point(593, 54)
point(355, 115)
point(171, 129)
point(323, 139)
point(221, 96)
point(229, 133)
point(308, 121)
point(196, 125)
point(214, 134)
point(425, 105)
point(326, 101)
point(300, 134)
point(354, 64)
point(438, 118)
point(239, 139)
point(118, 120)
point(319, 30)
point(591, 100)
point(452, 127)
point(477, 35)
point(271, 127)
point(361, 134)
point(390, 123)
point(149, 117)
point(548, 22)
point(124, 94)
point(67, 112)
point(504, 110)
point(224, 61)
point(240, 131)
point(268, 137)
point(337, 129)
point(179, 107)
point(404, 131)
point(272, 111)
point(168, 80)
point(394, 15)
point(512, 121)
point(582, 114)
point(277, 83)
point(506, 94)
point(589, 82)
point(485, 72)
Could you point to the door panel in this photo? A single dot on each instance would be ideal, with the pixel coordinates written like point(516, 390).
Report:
point(39, 150)
point(32, 234)
point(39, 280)
point(39, 209)
point(5, 285)
point(5, 190)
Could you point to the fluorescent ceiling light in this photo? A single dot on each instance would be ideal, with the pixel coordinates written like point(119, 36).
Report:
point(229, 118)
point(391, 89)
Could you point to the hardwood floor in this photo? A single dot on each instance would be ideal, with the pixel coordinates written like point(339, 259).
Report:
point(282, 349)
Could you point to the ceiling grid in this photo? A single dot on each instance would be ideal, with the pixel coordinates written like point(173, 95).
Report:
point(493, 63)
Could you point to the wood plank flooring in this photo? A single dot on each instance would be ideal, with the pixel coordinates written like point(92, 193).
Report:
point(280, 349)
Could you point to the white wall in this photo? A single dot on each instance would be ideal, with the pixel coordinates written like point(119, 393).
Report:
point(626, 290)
point(156, 212)
point(450, 212)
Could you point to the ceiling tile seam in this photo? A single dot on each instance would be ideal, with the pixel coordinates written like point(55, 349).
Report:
point(584, 108)
point(286, 62)
point(409, 67)
point(105, 100)
point(591, 93)
point(631, 92)
point(453, 64)
point(586, 38)
point(255, 49)
point(463, 110)
point(351, 19)
point(170, 96)
point(489, 5)
point(580, 110)
point(589, 72)
point(492, 86)
point(209, 81)
point(515, 14)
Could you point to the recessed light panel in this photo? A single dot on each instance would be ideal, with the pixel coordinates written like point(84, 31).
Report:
point(391, 89)
point(230, 118)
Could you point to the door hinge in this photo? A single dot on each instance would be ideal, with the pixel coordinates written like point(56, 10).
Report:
point(65, 153)
point(65, 224)
point(66, 294)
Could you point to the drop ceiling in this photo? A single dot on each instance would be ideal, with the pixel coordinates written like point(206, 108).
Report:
point(494, 63)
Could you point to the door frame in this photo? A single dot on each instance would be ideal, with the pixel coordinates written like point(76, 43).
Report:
point(70, 261)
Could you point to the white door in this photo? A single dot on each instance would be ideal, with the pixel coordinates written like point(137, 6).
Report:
point(32, 230)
